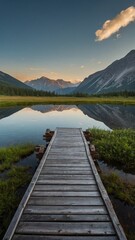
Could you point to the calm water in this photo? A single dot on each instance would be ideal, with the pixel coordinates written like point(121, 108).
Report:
point(19, 125)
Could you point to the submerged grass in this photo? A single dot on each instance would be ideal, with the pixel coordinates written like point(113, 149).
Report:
point(119, 188)
point(12, 154)
point(25, 101)
point(116, 147)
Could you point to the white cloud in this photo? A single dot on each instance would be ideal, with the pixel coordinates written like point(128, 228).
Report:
point(112, 26)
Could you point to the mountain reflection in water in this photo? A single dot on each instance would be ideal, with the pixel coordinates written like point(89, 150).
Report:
point(113, 116)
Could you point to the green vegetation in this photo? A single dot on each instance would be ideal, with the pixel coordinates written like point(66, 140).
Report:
point(17, 178)
point(27, 100)
point(116, 147)
point(123, 191)
point(12, 154)
point(17, 91)
point(118, 188)
point(117, 94)
point(12, 181)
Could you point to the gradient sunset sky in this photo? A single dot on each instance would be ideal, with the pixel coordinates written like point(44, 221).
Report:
point(68, 39)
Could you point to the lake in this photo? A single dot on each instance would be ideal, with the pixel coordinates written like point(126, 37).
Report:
point(21, 125)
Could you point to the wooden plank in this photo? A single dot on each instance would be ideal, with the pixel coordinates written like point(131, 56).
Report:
point(69, 138)
point(61, 228)
point(64, 177)
point(66, 172)
point(63, 201)
point(64, 218)
point(67, 182)
point(66, 164)
point(67, 150)
point(66, 157)
point(43, 237)
point(59, 163)
point(66, 168)
point(64, 194)
point(74, 188)
point(30, 209)
point(63, 153)
point(69, 161)
point(68, 144)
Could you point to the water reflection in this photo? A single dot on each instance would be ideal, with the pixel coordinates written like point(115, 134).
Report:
point(6, 112)
point(18, 125)
point(114, 116)
point(29, 124)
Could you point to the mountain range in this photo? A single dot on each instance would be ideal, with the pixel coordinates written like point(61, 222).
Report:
point(59, 86)
point(117, 77)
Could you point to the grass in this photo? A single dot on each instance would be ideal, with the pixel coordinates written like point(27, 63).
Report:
point(119, 188)
point(123, 191)
point(12, 154)
point(9, 199)
point(115, 147)
point(25, 101)
point(13, 181)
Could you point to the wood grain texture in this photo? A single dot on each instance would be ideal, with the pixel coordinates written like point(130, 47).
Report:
point(41, 237)
point(65, 209)
point(63, 201)
point(64, 218)
point(62, 228)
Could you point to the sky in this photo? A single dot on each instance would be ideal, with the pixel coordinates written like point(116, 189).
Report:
point(64, 39)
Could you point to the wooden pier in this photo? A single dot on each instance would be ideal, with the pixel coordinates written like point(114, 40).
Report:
point(66, 199)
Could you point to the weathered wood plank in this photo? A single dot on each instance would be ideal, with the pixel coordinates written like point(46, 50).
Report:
point(30, 209)
point(69, 161)
point(64, 194)
point(66, 172)
point(65, 177)
point(66, 157)
point(66, 168)
point(71, 153)
point(68, 150)
point(64, 144)
point(84, 228)
point(67, 182)
point(66, 165)
point(63, 201)
point(43, 237)
point(74, 188)
point(64, 218)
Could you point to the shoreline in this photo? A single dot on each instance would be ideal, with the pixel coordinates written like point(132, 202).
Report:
point(6, 101)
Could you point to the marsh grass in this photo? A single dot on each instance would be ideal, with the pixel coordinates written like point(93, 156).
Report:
point(123, 191)
point(12, 154)
point(17, 178)
point(119, 188)
point(116, 147)
point(25, 101)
